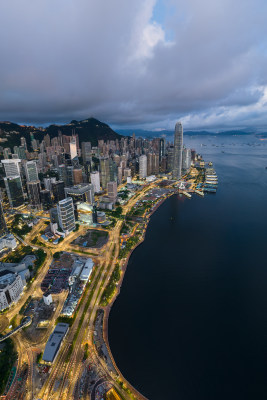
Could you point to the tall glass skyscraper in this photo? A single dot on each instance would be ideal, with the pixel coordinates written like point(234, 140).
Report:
point(178, 151)
point(14, 191)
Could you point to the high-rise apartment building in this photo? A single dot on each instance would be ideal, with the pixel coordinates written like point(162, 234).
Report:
point(178, 150)
point(66, 218)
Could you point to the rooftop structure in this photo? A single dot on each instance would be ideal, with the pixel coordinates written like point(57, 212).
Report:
point(87, 270)
point(54, 342)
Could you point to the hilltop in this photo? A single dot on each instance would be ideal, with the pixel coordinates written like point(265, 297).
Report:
point(89, 130)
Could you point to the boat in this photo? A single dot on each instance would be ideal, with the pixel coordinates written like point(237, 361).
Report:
point(200, 193)
point(187, 194)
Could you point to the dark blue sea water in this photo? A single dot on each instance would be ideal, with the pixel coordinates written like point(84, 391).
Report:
point(190, 322)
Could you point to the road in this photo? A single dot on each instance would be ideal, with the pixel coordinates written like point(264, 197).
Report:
point(68, 366)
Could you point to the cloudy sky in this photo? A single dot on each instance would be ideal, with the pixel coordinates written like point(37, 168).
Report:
point(141, 63)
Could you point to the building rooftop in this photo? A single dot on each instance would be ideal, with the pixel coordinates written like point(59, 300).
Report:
point(54, 342)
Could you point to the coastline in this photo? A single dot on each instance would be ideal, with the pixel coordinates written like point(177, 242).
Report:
point(107, 309)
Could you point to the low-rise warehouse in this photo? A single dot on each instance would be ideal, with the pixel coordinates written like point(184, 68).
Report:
point(54, 342)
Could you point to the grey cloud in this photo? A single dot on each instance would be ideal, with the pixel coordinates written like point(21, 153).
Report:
point(73, 59)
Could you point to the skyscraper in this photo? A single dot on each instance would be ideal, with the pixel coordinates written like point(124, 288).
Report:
point(95, 180)
point(12, 167)
point(73, 147)
point(31, 171)
point(14, 191)
point(86, 152)
point(112, 190)
point(143, 166)
point(178, 150)
point(58, 191)
point(66, 216)
point(34, 188)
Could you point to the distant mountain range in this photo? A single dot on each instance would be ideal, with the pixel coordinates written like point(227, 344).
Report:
point(89, 130)
point(161, 133)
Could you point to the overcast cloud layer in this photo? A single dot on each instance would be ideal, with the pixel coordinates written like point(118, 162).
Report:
point(137, 63)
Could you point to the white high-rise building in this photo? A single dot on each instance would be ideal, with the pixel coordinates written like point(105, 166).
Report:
point(142, 166)
point(73, 148)
point(12, 167)
point(31, 171)
point(66, 218)
point(95, 180)
point(178, 150)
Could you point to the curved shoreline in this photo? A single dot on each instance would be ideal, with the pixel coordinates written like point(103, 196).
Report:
point(107, 309)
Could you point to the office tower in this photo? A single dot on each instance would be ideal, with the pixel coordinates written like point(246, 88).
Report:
point(112, 171)
point(23, 142)
point(69, 175)
point(34, 143)
point(16, 150)
point(73, 148)
point(31, 171)
point(94, 215)
point(66, 218)
point(86, 152)
point(3, 227)
point(62, 173)
point(178, 149)
point(22, 153)
point(155, 164)
point(6, 153)
point(170, 159)
point(161, 148)
point(149, 164)
point(104, 172)
point(95, 181)
point(186, 163)
point(77, 176)
point(12, 167)
point(163, 164)
point(127, 173)
point(48, 183)
point(142, 166)
point(81, 193)
point(14, 191)
point(58, 191)
point(34, 189)
point(112, 190)
point(46, 201)
point(119, 175)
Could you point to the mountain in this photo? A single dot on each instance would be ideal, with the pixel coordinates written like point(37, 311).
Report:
point(163, 133)
point(88, 130)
